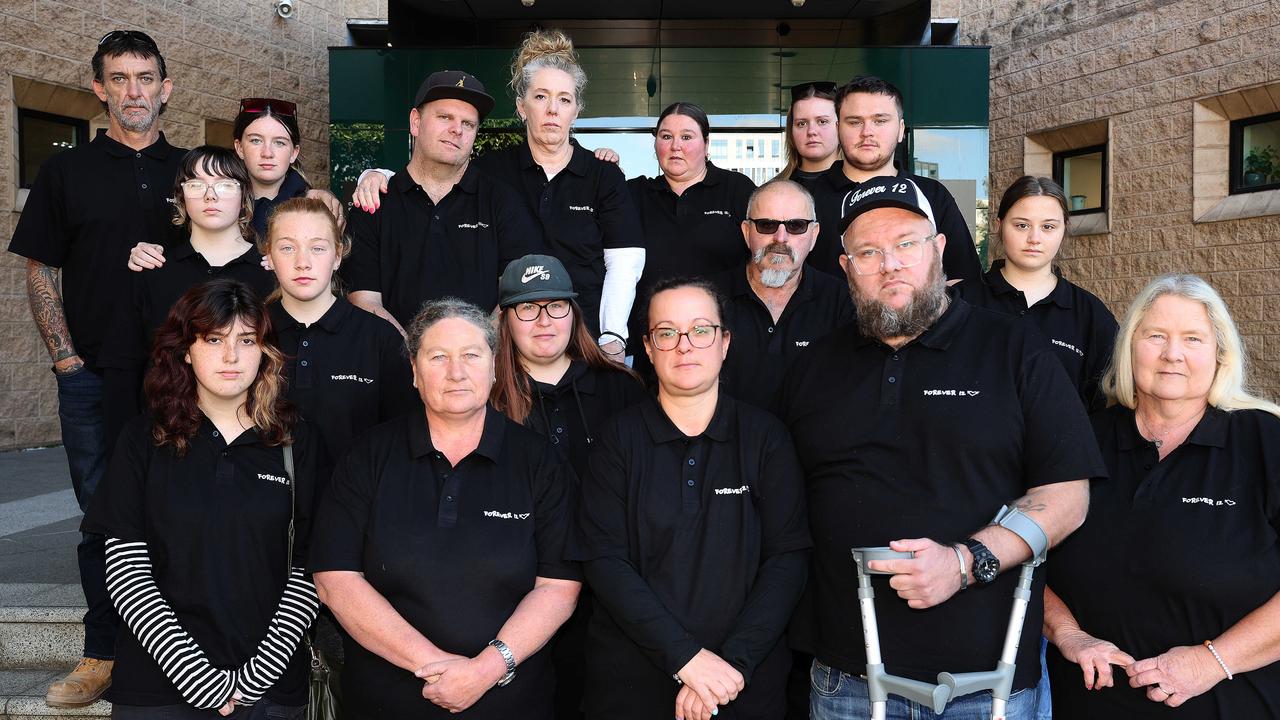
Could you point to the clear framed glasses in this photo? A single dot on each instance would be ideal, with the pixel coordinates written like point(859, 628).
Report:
point(529, 311)
point(668, 338)
point(769, 226)
point(869, 261)
point(198, 188)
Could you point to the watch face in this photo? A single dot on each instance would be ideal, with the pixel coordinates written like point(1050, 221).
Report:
point(986, 570)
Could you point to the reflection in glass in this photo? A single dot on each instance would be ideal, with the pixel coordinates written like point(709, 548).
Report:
point(1259, 154)
point(41, 137)
point(957, 158)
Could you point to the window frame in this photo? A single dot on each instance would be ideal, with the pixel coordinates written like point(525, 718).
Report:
point(1059, 170)
point(1235, 151)
point(80, 125)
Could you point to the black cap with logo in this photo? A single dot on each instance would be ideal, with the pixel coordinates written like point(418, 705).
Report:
point(534, 277)
point(885, 191)
point(457, 85)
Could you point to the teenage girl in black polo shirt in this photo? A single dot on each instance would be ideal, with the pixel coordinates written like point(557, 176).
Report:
point(347, 368)
point(211, 196)
point(812, 144)
point(1033, 221)
point(553, 378)
point(693, 535)
point(199, 506)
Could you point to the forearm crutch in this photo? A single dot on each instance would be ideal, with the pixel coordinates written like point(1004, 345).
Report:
point(949, 685)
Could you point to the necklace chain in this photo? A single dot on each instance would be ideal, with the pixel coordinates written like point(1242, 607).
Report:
point(1159, 441)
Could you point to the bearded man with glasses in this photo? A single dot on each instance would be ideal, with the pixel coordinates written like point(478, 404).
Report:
point(88, 206)
point(776, 305)
point(918, 428)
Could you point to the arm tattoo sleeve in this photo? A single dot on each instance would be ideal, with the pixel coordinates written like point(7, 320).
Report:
point(46, 309)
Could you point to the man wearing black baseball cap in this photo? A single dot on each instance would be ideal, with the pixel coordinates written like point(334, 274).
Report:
point(444, 229)
point(945, 413)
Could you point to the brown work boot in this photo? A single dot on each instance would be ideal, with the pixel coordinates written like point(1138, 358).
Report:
point(83, 686)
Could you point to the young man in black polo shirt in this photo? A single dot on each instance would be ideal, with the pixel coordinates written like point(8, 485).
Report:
point(871, 124)
point(444, 228)
point(915, 426)
point(775, 308)
point(89, 205)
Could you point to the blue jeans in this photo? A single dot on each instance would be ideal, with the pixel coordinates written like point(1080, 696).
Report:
point(80, 414)
point(1044, 704)
point(837, 695)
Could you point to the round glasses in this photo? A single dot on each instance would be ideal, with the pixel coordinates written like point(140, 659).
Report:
point(529, 311)
point(668, 338)
point(908, 253)
point(198, 188)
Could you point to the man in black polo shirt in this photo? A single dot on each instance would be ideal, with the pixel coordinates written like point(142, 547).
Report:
point(88, 206)
point(776, 309)
point(915, 426)
point(871, 124)
point(444, 228)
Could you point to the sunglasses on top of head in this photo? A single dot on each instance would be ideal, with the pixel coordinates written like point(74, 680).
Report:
point(272, 106)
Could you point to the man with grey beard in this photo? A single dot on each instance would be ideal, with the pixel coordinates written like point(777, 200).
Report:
point(916, 427)
point(777, 305)
point(88, 206)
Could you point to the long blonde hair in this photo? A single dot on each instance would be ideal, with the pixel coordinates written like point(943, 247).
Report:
point(1228, 391)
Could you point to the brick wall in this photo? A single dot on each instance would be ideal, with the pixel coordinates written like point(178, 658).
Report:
point(217, 51)
point(1141, 65)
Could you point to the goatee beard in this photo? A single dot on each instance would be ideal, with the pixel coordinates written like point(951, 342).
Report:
point(878, 320)
point(770, 276)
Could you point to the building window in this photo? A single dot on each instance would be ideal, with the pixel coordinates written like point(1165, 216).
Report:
point(1082, 174)
point(1255, 154)
point(42, 135)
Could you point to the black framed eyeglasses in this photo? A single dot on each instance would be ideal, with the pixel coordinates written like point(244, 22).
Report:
point(529, 311)
point(668, 338)
point(769, 226)
point(269, 105)
point(135, 34)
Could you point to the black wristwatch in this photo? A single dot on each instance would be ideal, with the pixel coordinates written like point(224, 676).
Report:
point(986, 566)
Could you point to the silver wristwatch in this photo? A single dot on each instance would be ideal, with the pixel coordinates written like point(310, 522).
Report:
point(508, 658)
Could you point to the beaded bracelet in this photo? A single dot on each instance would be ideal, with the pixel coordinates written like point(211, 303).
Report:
point(1216, 656)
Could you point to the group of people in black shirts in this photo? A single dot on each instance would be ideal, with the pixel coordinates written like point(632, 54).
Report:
point(520, 492)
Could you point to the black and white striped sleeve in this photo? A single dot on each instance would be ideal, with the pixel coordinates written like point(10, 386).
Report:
point(137, 598)
point(297, 610)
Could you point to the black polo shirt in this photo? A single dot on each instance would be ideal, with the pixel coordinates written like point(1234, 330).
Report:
point(413, 250)
point(1174, 552)
point(215, 521)
point(929, 441)
point(294, 185)
point(347, 372)
point(761, 349)
point(90, 205)
point(453, 549)
point(585, 209)
point(832, 194)
point(571, 413)
point(1080, 328)
point(675, 531)
point(151, 295)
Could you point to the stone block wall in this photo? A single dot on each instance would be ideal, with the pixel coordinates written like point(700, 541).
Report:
point(1142, 66)
point(217, 51)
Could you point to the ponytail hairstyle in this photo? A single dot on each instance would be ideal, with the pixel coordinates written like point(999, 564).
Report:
point(309, 206)
point(792, 153)
point(543, 49)
point(1032, 186)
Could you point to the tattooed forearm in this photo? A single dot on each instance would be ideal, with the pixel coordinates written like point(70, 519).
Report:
point(46, 309)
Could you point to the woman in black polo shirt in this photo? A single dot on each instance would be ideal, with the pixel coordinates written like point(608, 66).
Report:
point(199, 506)
point(211, 195)
point(812, 144)
point(552, 378)
point(693, 535)
point(443, 541)
point(347, 369)
point(1034, 219)
point(1175, 575)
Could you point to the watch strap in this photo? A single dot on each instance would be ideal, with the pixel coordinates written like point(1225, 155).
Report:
point(507, 658)
point(981, 556)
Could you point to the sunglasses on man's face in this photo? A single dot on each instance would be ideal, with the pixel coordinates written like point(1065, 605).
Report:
point(769, 226)
point(283, 108)
point(121, 34)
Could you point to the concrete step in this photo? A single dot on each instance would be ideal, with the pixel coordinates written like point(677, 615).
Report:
point(40, 625)
point(22, 697)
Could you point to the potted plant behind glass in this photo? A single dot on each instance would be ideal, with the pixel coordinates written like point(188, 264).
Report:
point(1259, 165)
